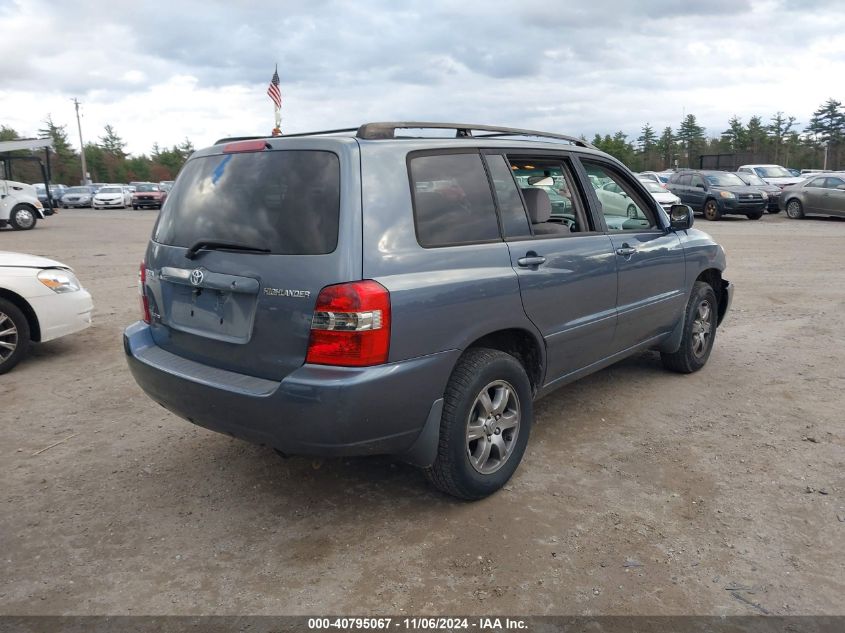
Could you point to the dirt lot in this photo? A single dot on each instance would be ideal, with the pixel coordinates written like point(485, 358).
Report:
point(641, 492)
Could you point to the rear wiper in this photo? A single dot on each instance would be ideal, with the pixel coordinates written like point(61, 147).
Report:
point(207, 245)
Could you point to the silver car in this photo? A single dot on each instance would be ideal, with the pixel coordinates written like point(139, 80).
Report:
point(823, 194)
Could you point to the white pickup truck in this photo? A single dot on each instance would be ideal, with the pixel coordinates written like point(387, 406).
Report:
point(19, 205)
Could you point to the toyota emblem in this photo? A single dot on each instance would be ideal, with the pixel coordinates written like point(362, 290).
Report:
point(196, 277)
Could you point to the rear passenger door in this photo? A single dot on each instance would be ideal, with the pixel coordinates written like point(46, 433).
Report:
point(566, 269)
point(833, 198)
point(697, 192)
point(650, 261)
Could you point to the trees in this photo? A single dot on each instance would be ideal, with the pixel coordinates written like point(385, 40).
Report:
point(827, 126)
point(65, 165)
point(616, 145)
point(691, 136)
point(778, 130)
point(735, 138)
point(647, 144)
point(666, 147)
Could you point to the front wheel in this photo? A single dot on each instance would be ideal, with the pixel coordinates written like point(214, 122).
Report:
point(711, 210)
point(699, 331)
point(487, 416)
point(756, 215)
point(14, 335)
point(23, 218)
point(794, 209)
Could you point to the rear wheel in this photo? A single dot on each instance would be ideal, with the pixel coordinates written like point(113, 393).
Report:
point(711, 210)
point(487, 415)
point(794, 209)
point(699, 331)
point(23, 218)
point(14, 335)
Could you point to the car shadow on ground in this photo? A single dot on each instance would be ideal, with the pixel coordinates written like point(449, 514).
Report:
point(373, 482)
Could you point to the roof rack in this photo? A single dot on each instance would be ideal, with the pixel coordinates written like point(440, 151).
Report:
point(232, 139)
point(387, 130)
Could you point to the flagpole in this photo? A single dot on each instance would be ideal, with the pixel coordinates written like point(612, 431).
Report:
point(277, 110)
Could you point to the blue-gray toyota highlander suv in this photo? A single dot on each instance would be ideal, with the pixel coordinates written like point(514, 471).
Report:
point(356, 292)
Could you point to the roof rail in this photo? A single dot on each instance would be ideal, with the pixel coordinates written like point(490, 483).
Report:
point(232, 139)
point(386, 130)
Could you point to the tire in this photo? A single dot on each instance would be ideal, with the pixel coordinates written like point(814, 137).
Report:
point(465, 466)
point(14, 330)
point(699, 333)
point(711, 210)
point(631, 211)
point(794, 209)
point(774, 211)
point(23, 217)
point(754, 216)
point(134, 207)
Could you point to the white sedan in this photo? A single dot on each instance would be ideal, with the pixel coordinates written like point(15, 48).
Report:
point(40, 300)
point(112, 197)
point(665, 197)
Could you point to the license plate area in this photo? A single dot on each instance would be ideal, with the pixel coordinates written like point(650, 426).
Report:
point(209, 312)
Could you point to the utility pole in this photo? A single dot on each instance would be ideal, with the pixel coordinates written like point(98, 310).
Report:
point(81, 144)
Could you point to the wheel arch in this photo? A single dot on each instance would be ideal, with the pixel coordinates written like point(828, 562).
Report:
point(39, 214)
point(713, 277)
point(522, 345)
point(29, 313)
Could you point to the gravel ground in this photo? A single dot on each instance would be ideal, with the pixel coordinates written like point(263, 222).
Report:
point(642, 492)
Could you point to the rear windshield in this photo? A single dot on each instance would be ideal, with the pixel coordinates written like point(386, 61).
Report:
point(284, 201)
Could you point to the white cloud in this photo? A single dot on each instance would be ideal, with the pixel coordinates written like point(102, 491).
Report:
point(200, 69)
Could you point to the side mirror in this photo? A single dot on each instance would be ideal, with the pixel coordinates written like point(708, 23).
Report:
point(680, 217)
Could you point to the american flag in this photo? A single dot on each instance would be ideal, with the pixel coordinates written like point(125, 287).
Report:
point(273, 89)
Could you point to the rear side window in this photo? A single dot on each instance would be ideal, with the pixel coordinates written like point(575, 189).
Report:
point(453, 203)
point(284, 201)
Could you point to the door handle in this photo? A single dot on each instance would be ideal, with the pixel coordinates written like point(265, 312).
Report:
point(530, 260)
point(625, 250)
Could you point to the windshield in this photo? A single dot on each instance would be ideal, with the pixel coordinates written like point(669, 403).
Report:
point(285, 201)
point(147, 188)
point(772, 171)
point(78, 190)
point(110, 190)
point(752, 179)
point(724, 180)
point(653, 187)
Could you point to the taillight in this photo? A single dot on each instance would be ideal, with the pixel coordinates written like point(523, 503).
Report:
point(142, 295)
point(351, 325)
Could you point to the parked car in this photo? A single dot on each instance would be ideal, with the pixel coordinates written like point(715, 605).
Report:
point(56, 192)
point(772, 174)
point(40, 300)
point(663, 196)
point(148, 195)
point(355, 294)
point(660, 177)
point(112, 197)
point(793, 171)
point(823, 194)
point(20, 207)
point(166, 185)
point(773, 191)
point(78, 197)
point(718, 193)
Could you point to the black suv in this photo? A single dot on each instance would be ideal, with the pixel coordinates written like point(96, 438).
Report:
point(717, 193)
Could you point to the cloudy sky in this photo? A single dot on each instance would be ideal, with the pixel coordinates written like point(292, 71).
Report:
point(161, 71)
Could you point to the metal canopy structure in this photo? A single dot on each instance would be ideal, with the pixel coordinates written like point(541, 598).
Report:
point(33, 145)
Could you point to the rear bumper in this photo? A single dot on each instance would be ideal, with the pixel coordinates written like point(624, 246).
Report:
point(315, 410)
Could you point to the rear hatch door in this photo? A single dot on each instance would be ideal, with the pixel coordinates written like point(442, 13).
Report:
point(245, 242)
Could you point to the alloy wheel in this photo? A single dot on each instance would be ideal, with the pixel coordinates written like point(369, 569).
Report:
point(702, 326)
point(8, 337)
point(492, 427)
